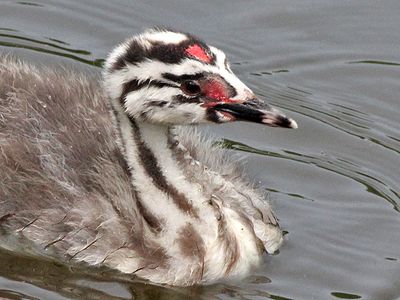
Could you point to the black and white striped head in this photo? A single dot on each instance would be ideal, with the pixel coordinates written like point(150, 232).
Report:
point(169, 77)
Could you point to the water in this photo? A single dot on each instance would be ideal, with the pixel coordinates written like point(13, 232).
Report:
point(334, 66)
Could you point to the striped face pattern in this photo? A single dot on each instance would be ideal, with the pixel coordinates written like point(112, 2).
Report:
point(166, 77)
point(173, 78)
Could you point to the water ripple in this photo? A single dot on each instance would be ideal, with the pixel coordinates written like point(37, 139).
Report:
point(342, 295)
point(375, 62)
point(30, 3)
point(333, 164)
point(14, 41)
point(337, 114)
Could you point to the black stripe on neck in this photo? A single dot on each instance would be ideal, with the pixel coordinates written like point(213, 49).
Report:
point(151, 220)
point(153, 170)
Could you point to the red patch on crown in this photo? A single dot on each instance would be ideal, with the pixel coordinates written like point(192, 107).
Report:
point(197, 52)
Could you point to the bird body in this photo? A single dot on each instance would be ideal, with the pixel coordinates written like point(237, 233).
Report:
point(132, 189)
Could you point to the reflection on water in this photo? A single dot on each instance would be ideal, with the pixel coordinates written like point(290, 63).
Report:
point(25, 274)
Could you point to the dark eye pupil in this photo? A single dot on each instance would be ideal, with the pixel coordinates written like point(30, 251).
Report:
point(190, 88)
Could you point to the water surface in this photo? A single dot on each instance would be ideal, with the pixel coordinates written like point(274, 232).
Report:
point(334, 66)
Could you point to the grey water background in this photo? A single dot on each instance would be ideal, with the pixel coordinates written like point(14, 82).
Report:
point(334, 66)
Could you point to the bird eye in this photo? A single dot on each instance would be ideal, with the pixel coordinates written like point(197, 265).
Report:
point(190, 88)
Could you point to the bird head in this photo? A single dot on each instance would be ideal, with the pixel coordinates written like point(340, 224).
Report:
point(168, 77)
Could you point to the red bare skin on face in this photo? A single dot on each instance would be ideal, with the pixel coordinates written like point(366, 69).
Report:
point(197, 52)
point(217, 93)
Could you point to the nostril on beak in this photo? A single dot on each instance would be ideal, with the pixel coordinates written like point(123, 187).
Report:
point(257, 103)
point(253, 101)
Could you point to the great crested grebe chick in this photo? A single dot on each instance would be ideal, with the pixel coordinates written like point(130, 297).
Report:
point(130, 189)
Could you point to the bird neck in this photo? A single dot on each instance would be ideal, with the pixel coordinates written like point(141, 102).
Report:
point(192, 224)
point(163, 192)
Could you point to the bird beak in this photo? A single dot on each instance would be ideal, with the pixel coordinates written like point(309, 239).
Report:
point(256, 111)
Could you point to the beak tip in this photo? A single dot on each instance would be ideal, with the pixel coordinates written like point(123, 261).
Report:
point(293, 124)
point(279, 121)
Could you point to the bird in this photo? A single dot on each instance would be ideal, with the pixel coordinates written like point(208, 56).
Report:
point(111, 171)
